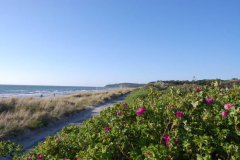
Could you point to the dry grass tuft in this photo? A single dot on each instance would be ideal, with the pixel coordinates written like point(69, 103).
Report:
point(17, 114)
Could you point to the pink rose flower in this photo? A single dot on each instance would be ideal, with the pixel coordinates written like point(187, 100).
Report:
point(29, 157)
point(147, 153)
point(227, 106)
point(224, 114)
point(57, 139)
point(209, 100)
point(119, 113)
point(39, 156)
point(166, 139)
point(108, 129)
point(140, 111)
point(179, 114)
point(124, 105)
point(197, 89)
point(143, 108)
point(78, 158)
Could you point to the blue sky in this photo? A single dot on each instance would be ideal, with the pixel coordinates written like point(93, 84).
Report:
point(97, 42)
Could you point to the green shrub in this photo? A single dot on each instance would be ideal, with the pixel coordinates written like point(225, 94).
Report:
point(202, 124)
point(159, 85)
point(183, 88)
point(39, 122)
point(136, 94)
point(2, 126)
point(10, 150)
point(32, 108)
point(5, 107)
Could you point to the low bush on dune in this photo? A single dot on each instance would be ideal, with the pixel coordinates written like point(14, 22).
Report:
point(183, 88)
point(203, 124)
point(10, 150)
point(136, 95)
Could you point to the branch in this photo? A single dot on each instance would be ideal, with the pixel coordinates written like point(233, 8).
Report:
point(165, 130)
point(124, 153)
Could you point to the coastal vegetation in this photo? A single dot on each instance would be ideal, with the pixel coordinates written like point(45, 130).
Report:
point(200, 124)
point(137, 94)
point(197, 82)
point(18, 114)
point(201, 82)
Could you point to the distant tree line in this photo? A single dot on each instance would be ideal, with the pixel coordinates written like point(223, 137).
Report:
point(197, 82)
point(163, 84)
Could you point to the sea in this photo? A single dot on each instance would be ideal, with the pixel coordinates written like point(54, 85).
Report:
point(44, 91)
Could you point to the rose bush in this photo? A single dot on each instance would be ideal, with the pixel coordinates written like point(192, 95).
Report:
point(202, 124)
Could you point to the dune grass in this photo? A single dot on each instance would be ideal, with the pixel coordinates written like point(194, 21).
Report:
point(17, 114)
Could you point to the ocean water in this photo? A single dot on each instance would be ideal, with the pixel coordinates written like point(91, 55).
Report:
point(45, 91)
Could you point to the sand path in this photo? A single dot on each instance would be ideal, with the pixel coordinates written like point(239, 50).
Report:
point(31, 138)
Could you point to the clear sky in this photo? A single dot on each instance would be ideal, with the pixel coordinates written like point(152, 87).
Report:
point(97, 42)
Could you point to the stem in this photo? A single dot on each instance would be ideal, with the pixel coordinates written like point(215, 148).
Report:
point(216, 156)
point(165, 130)
point(172, 127)
point(124, 153)
point(228, 155)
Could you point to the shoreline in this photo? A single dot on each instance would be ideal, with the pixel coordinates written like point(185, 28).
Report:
point(37, 94)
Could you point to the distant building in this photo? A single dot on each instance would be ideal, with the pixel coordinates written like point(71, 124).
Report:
point(230, 83)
